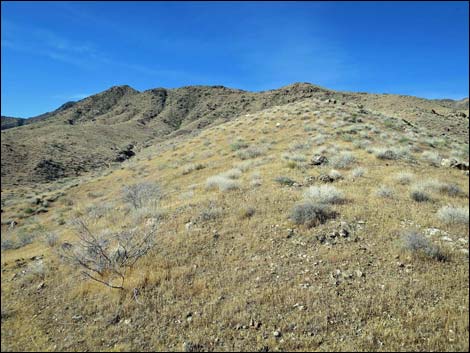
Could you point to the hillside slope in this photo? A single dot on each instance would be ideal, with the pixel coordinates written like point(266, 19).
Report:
point(241, 263)
point(102, 129)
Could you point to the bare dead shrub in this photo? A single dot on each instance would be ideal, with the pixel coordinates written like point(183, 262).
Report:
point(106, 257)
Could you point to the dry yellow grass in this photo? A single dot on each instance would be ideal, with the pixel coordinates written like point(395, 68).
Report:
point(229, 283)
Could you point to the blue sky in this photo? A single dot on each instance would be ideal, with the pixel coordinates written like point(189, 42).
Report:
point(53, 52)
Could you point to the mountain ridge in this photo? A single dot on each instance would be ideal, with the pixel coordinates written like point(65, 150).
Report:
point(98, 130)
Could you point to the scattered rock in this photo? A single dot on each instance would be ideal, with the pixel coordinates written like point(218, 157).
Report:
point(77, 318)
point(277, 334)
point(255, 324)
point(189, 225)
point(310, 180)
point(125, 154)
point(325, 178)
point(459, 165)
point(359, 273)
point(318, 160)
point(41, 285)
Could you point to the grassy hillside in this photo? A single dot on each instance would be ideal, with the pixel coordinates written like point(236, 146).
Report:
point(95, 132)
point(256, 248)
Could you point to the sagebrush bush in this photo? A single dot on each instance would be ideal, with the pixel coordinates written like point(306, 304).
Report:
point(192, 167)
point(357, 172)
point(251, 152)
point(210, 212)
point(324, 194)
point(391, 153)
point(449, 189)
point(247, 212)
point(384, 191)
point(221, 182)
point(404, 178)
point(8, 244)
point(51, 239)
point(234, 173)
point(453, 215)
point(335, 175)
point(284, 180)
point(419, 195)
point(239, 144)
point(311, 214)
point(297, 157)
point(139, 194)
point(343, 160)
point(245, 165)
point(417, 243)
point(432, 158)
point(255, 179)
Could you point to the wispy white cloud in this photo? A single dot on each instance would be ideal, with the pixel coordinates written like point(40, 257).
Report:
point(84, 54)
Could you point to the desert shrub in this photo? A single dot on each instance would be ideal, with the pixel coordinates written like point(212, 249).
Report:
point(283, 180)
point(335, 175)
point(210, 212)
point(343, 160)
point(51, 239)
point(255, 179)
point(98, 210)
point(324, 194)
point(234, 173)
point(245, 165)
point(385, 153)
point(449, 189)
point(391, 153)
point(319, 139)
point(139, 194)
point(308, 128)
point(192, 167)
point(94, 195)
point(453, 215)
point(404, 178)
point(384, 191)
point(311, 213)
point(25, 238)
point(105, 257)
point(247, 212)
point(292, 164)
point(29, 210)
point(432, 158)
point(418, 194)
point(221, 182)
point(297, 157)
point(357, 172)
point(296, 146)
point(149, 213)
point(250, 152)
point(416, 243)
point(238, 145)
point(8, 244)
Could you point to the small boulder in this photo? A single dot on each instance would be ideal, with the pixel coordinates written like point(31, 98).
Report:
point(318, 160)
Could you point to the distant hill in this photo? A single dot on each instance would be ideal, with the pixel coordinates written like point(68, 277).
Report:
point(9, 122)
